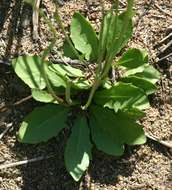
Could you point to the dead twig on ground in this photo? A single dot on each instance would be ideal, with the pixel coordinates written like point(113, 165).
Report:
point(169, 44)
point(165, 57)
point(35, 17)
point(5, 107)
point(8, 127)
point(62, 60)
point(165, 38)
point(24, 162)
point(162, 10)
point(167, 144)
point(5, 62)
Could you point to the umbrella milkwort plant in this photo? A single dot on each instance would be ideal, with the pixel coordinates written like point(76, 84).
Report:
point(106, 110)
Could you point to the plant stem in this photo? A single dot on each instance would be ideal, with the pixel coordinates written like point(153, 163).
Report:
point(44, 56)
point(111, 55)
point(92, 92)
point(50, 89)
point(59, 21)
point(48, 22)
point(67, 92)
point(101, 50)
point(113, 51)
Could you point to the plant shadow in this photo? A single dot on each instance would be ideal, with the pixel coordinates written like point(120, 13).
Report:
point(14, 17)
point(107, 169)
point(4, 8)
point(48, 174)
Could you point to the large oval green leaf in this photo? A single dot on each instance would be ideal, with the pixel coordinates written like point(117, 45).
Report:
point(110, 130)
point(78, 149)
point(84, 37)
point(29, 69)
point(122, 96)
point(43, 123)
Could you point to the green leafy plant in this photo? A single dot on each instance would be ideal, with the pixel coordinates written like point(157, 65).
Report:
point(105, 109)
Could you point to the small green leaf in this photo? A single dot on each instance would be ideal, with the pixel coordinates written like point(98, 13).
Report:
point(133, 58)
point(107, 84)
point(68, 51)
point(147, 86)
point(66, 70)
point(122, 96)
point(29, 69)
point(150, 74)
point(31, 2)
point(129, 72)
point(115, 30)
point(55, 79)
point(81, 83)
point(110, 130)
point(42, 96)
point(84, 37)
point(135, 113)
point(78, 149)
point(147, 72)
point(43, 123)
point(103, 37)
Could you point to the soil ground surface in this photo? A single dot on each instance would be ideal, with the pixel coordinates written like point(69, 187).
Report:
point(146, 167)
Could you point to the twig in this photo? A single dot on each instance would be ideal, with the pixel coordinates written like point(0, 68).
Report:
point(167, 144)
point(5, 107)
point(165, 57)
point(5, 62)
point(165, 38)
point(24, 162)
point(8, 127)
point(166, 47)
point(35, 19)
point(56, 61)
point(22, 100)
point(162, 10)
point(69, 61)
